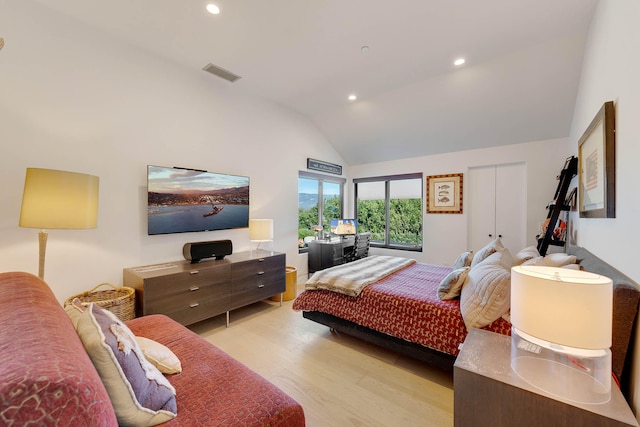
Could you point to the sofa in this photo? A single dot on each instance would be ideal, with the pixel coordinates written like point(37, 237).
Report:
point(47, 377)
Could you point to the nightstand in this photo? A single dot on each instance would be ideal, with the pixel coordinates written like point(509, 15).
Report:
point(488, 393)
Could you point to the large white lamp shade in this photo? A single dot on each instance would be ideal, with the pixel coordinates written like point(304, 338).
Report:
point(562, 327)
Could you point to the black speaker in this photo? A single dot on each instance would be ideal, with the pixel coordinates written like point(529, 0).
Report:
point(196, 251)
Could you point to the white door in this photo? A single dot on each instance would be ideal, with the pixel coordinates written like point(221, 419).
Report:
point(497, 205)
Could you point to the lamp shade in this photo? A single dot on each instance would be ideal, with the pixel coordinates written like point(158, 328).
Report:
point(261, 229)
point(59, 200)
point(563, 307)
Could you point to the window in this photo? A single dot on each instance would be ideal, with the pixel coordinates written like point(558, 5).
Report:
point(390, 208)
point(320, 199)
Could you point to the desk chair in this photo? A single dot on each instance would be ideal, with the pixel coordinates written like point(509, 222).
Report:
point(360, 247)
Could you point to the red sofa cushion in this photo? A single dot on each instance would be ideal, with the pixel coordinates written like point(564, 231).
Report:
point(46, 377)
point(213, 388)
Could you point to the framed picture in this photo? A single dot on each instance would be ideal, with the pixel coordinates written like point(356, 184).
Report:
point(597, 166)
point(444, 193)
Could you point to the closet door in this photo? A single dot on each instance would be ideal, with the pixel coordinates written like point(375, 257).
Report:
point(497, 205)
point(511, 205)
point(480, 188)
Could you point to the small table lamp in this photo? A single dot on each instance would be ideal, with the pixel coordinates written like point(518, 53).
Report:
point(261, 230)
point(59, 200)
point(561, 334)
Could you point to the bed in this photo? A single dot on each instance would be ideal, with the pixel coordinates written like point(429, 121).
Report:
point(402, 312)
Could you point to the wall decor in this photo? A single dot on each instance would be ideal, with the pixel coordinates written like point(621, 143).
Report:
point(319, 165)
point(597, 166)
point(444, 193)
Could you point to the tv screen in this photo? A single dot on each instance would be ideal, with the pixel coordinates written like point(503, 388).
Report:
point(186, 200)
point(343, 227)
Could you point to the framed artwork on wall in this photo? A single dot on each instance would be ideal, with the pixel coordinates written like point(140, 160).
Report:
point(597, 166)
point(444, 193)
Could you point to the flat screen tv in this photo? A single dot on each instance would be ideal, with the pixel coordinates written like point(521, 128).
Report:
point(343, 227)
point(186, 200)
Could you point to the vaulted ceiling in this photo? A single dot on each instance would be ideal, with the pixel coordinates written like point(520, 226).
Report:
point(519, 82)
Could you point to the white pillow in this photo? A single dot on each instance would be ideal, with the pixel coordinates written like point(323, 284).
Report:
point(486, 294)
point(489, 249)
point(451, 285)
point(559, 259)
point(525, 254)
point(463, 260)
point(159, 356)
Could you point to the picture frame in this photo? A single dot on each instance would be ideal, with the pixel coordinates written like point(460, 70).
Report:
point(444, 194)
point(597, 166)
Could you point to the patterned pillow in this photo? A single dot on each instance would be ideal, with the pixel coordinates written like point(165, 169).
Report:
point(139, 393)
point(486, 294)
point(483, 253)
point(451, 285)
point(463, 260)
point(159, 356)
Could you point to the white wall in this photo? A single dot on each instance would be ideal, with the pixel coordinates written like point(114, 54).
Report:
point(610, 73)
point(74, 99)
point(445, 235)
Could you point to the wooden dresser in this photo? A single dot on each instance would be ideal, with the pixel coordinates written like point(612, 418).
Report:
point(189, 293)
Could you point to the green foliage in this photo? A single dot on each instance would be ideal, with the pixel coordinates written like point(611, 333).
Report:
point(405, 220)
point(308, 218)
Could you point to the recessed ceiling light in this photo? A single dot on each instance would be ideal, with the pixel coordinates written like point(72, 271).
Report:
point(458, 62)
point(213, 9)
point(352, 97)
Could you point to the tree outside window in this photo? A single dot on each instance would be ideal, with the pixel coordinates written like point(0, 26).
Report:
point(320, 199)
point(390, 208)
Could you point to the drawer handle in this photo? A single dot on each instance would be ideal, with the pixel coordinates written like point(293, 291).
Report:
point(261, 259)
point(261, 286)
point(194, 288)
point(194, 304)
point(194, 272)
point(260, 273)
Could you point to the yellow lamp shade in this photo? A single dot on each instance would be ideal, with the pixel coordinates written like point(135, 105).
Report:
point(59, 200)
point(261, 229)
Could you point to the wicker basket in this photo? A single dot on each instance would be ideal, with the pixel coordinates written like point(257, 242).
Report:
point(119, 301)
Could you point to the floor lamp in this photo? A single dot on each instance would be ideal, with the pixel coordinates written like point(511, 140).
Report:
point(58, 200)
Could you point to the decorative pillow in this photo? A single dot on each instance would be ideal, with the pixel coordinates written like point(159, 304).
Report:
point(486, 294)
point(74, 311)
point(463, 260)
point(451, 285)
point(483, 253)
point(159, 356)
point(559, 259)
point(539, 260)
point(139, 393)
point(572, 267)
point(526, 254)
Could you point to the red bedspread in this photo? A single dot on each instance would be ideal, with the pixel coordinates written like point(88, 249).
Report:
point(404, 305)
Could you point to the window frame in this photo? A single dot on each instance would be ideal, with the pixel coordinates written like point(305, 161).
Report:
point(321, 178)
point(387, 190)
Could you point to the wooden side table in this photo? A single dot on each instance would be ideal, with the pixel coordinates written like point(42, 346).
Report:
point(488, 393)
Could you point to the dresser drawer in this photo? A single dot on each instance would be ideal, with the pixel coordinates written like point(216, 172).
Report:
point(171, 285)
point(194, 309)
point(257, 279)
point(189, 296)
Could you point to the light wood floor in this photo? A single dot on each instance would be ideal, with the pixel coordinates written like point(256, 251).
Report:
point(338, 380)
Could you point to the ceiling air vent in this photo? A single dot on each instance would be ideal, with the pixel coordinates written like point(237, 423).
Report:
point(221, 72)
